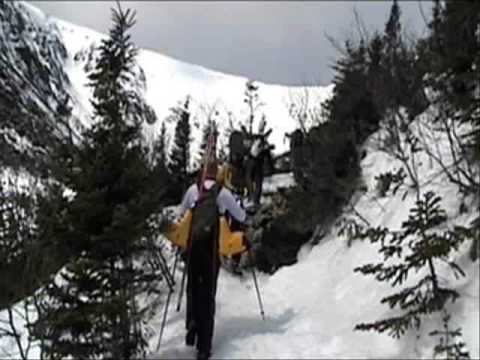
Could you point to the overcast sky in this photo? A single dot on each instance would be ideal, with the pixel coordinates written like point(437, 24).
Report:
point(274, 42)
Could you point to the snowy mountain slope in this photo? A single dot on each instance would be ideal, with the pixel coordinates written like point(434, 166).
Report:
point(33, 85)
point(168, 82)
point(313, 306)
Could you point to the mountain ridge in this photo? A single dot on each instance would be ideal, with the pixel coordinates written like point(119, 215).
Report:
point(169, 81)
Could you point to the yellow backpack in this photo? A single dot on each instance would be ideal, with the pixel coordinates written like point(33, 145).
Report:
point(231, 243)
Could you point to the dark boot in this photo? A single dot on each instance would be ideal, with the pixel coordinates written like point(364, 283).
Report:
point(191, 336)
point(236, 265)
point(203, 355)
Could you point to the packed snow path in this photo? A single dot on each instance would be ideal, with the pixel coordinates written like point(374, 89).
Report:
point(311, 309)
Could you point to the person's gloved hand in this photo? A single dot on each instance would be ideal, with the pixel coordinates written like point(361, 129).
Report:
point(248, 220)
point(246, 242)
point(250, 234)
point(183, 254)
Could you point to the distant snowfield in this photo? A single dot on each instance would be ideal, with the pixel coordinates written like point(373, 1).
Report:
point(169, 82)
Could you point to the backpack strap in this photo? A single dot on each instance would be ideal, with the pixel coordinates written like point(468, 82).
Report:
point(216, 188)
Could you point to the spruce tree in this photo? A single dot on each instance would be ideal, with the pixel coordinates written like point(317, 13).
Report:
point(180, 152)
point(92, 309)
point(418, 245)
point(352, 105)
point(392, 57)
point(160, 146)
point(454, 44)
point(393, 29)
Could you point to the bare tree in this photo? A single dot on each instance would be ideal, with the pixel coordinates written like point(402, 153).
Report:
point(439, 127)
point(17, 230)
point(253, 102)
point(17, 325)
point(396, 139)
point(304, 106)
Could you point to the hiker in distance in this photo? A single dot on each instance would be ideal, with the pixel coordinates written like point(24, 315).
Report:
point(209, 200)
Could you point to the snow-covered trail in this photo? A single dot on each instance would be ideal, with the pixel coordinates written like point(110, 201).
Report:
point(238, 324)
point(311, 309)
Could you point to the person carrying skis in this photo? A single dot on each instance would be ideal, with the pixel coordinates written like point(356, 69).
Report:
point(209, 200)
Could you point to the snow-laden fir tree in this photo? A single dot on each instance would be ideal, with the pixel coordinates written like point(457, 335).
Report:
point(92, 309)
point(418, 245)
point(159, 148)
point(179, 158)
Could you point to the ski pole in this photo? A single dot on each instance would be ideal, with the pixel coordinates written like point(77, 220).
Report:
point(262, 313)
point(182, 286)
point(186, 266)
point(175, 265)
point(164, 320)
point(169, 277)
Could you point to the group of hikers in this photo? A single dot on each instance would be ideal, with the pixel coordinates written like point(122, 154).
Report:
point(210, 209)
point(249, 155)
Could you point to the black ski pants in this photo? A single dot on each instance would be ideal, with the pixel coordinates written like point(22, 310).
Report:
point(254, 178)
point(203, 272)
